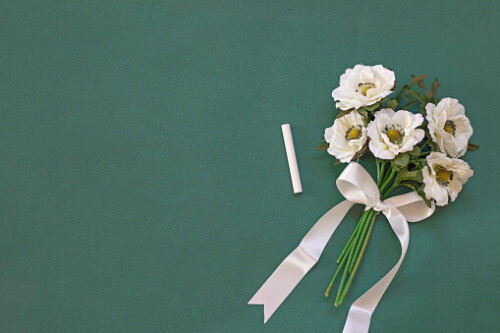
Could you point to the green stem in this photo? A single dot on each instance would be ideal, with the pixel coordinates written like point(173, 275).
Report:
point(378, 172)
point(359, 259)
point(386, 175)
point(407, 105)
point(389, 190)
point(388, 179)
point(330, 286)
point(380, 175)
point(349, 258)
point(344, 251)
point(358, 246)
point(356, 238)
point(344, 255)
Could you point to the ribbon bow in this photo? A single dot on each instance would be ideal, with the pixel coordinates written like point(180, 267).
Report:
point(357, 186)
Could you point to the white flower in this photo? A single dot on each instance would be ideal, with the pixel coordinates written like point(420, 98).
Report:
point(363, 85)
point(450, 129)
point(444, 176)
point(346, 137)
point(392, 132)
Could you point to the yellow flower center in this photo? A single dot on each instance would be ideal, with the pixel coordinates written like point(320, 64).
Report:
point(353, 133)
point(449, 127)
point(364, 87)
point(443, 176)
point(394, 135)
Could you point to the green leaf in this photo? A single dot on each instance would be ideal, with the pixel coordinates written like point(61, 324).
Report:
point(343, 113)
point(431, 143)
point(395, 85)
point(417, 79)
point(419, 188)
point(364, 114)
point(372, 107)
point(410, 184)
point(323, 147)
point(408, 98)
point(423, 111)
point(421, 192)
point(472, 146)
point(404, 174)
point(434, 87)
point(393, 104)
point(402, 159)
point(420, 83)
point(401, 92)
point(407, 105)
point(416, 151)
point(416, 95)
point(417, 163)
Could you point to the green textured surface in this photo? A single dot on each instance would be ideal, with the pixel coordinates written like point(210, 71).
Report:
point(144, 184)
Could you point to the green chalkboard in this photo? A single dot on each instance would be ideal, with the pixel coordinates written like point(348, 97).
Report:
point(143, 177)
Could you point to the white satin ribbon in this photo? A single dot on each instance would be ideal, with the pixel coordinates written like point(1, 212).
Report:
point(357, 186)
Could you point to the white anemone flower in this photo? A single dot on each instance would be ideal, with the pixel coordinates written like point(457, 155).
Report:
point(363, 85)
point(444, 176)
point(448, 126)
point(392, 133)
point(346, 137)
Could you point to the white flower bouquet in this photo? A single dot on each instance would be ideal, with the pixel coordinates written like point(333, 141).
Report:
point(417, 150)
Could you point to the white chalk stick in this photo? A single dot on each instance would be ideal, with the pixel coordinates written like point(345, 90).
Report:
point(292, 159)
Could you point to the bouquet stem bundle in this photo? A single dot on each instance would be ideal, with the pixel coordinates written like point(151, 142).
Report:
point(353, 251)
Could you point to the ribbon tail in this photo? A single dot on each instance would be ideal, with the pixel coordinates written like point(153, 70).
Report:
point(281, 283)
point(358, 320)
point(289, 273)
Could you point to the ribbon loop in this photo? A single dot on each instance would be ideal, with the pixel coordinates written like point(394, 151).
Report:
point(357, 186)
